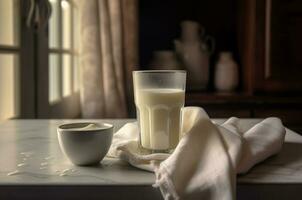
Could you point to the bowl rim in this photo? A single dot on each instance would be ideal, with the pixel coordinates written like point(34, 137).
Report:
point(101, 126)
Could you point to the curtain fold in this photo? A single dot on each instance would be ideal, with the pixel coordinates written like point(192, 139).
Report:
point(108, 56)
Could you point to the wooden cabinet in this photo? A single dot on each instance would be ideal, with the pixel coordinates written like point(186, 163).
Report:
point(270, 44)
point(288, 109)
point(265, 37)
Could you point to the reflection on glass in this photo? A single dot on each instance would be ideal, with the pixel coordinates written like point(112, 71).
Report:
point(54, 24)
point(9, 86)
point(54, 78)
point(66, 24)
point(8, 22)
point(67, 75)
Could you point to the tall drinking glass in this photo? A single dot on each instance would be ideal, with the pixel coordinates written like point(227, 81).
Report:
point(159, 98)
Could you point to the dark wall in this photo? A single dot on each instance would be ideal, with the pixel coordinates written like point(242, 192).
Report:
point(159, 24)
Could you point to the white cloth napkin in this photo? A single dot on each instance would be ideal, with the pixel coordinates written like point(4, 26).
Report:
point(208, 157)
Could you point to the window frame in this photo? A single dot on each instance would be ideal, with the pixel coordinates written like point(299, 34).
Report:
point(25, 52)
point(33, 53)
point(68, 106)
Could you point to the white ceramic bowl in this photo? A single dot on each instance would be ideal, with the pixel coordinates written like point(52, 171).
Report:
point(85, 143)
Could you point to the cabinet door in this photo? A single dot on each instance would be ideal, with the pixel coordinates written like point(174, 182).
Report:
point(282, 63)
point(273, 41)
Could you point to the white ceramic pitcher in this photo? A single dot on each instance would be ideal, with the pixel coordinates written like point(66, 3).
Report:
point(195, 49)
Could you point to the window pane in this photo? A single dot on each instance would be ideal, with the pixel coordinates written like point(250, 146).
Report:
point(76, 29)
point(67, 75)
point(9, 22)
point(76, 74)
point(9, 86)
point(54, 24)
point(66, 24)
point(54, 78)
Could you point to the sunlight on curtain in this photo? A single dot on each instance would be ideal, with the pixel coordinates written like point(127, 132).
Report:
point(104, 27)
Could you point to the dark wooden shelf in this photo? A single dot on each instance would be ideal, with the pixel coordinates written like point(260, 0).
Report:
point(195, 98)
point(243, 105)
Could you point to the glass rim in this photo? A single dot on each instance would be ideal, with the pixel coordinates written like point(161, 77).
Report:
point(159, 71)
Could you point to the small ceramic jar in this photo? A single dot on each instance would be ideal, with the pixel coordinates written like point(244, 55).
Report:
point(226, 73)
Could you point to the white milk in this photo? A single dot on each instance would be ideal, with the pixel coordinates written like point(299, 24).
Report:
point(159, 114)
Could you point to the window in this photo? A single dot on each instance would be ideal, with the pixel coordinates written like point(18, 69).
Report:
point(39, 61)
point(63, 50)
point(9, 59)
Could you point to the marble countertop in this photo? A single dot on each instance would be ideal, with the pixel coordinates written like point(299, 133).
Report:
point(30, 155)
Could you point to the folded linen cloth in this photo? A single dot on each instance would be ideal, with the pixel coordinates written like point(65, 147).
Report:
point(208, 157)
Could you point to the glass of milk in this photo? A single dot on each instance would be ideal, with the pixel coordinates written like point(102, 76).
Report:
point(159, 98)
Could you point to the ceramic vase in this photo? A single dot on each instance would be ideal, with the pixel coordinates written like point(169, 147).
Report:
point(226, 73)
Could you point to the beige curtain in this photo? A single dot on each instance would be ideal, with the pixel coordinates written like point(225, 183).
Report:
point(108, 55)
